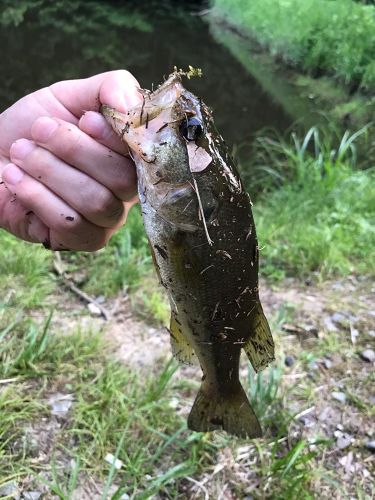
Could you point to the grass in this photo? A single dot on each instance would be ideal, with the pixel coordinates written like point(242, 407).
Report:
point(135, 416)
point(25, 273)
point(121, 265)
point(115, 411)
point(335, 37)
point(112, 406)
point(316, 213)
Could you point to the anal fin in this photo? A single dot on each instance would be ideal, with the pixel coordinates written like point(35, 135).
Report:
point(260, 348)
point(181, 349)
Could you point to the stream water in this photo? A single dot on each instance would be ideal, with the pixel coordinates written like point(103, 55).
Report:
point(67, 39)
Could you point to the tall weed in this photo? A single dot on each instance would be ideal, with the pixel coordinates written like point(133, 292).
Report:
point(316, 213)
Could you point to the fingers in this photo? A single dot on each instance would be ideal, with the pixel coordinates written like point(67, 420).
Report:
point(95, 125)
point(74, 147)
point(116, 88)
point(67, 228)
point(19, 220)
point(81, 192)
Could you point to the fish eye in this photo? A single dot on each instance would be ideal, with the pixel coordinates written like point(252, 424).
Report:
point(191, 128)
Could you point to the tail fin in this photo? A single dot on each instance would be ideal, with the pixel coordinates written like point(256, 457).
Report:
point(233, 413)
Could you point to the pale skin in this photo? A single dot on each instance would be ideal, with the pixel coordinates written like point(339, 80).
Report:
point(67, 181)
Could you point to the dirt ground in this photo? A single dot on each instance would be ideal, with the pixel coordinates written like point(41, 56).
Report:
point(325, 338)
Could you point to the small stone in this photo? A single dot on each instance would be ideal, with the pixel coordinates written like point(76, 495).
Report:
point(340, 427)
point(340, 318)
point(32, 495)
point(329, 324)
point(113, 461)
point(339, 396)
point(174, 402)
point(314, 365)
point(9, 490)
point(289, 360)
point(94, 309)
point(366, 473)
point(327, 363)
point(100, 299)
point(60, 404)
point(372, 333)
point(306, 421)
point(124, 496)
point(368, 355)
point(354, 334)
point(370, 445)
point(344, 441)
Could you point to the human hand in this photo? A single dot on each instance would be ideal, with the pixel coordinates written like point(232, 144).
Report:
point(67, 179)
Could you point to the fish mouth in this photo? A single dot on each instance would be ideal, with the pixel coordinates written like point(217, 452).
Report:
point(170, 103)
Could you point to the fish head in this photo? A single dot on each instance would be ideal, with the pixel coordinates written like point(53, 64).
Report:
point(170, 122)
point(167, 135)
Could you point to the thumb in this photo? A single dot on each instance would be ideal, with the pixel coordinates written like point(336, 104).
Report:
point(118, 89)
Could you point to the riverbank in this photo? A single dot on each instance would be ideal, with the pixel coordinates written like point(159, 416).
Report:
point(282, 60)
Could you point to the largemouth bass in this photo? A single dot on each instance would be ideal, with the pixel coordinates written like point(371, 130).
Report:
point(201, 231)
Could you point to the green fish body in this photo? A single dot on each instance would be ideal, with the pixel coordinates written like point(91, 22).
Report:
point(199, 223)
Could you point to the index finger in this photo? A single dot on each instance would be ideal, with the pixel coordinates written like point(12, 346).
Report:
point(118, 89)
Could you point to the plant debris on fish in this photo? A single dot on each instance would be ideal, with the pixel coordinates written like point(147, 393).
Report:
point(199, 223)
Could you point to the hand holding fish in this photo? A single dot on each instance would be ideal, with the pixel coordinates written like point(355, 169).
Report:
point(66, 179)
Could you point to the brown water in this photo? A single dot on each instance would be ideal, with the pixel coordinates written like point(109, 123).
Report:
point(74, 39)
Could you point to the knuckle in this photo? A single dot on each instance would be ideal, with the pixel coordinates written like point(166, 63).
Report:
point(98, 239)
point(125, 185)
point(28, 190)
point(86, 241)
point(109, 206)
point(69, 222)
point(100, 242)
point(68, 141)
point(37, 160)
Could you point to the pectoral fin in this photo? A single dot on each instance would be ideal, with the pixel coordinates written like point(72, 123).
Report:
point(260, 347)
point(181, 349)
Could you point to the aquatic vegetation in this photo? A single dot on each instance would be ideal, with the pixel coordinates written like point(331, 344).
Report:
point(335, 37)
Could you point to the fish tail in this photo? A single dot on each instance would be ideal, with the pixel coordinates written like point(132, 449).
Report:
point(232, 412)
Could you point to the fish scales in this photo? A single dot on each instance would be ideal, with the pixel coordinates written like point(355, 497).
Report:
point(201, 231)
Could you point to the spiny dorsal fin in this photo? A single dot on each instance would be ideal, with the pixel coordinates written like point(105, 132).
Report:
point(260, 348)
point(181, 349)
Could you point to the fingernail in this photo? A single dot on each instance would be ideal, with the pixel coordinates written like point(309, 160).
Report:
point(12, 174)
point(94, 124)
point(20, 149)
point(43, 128)
point(132, 98)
